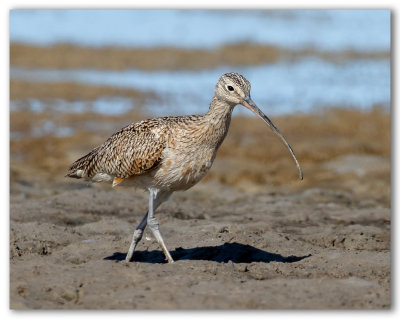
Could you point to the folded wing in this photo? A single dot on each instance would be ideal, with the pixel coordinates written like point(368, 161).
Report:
point(133, 150)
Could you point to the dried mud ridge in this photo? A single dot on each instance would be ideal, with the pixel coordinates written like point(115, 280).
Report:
point(232, 250)
point(65, 56)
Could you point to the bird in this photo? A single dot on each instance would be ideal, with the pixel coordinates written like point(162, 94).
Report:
point(168, 154)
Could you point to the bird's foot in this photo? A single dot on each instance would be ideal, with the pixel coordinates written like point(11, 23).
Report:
point(137, 236)
point(170, 260)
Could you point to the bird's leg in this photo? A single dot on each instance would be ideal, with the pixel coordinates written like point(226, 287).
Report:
point(155, 199)
point(137, 236)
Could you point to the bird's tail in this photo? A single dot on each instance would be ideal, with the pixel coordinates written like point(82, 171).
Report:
point(83, 166)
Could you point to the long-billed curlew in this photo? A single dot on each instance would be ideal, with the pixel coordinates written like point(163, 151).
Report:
point(168, 154)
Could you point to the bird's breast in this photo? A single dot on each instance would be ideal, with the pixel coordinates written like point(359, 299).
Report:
point(181, 169)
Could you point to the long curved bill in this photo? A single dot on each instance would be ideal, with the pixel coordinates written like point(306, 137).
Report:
point(248, 102)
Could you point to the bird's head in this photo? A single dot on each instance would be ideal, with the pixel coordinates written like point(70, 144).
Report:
point(234, 89)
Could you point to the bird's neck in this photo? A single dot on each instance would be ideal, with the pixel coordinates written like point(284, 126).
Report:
point(218, 119)
point(220, 112)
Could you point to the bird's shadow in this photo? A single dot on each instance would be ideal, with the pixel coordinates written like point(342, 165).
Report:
point(235, 252)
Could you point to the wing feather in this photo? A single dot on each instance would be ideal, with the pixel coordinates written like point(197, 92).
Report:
point(133, 150)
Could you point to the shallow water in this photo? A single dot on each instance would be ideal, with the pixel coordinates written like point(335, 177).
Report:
point(301, 86)
point(107, 106)
point(322, 29)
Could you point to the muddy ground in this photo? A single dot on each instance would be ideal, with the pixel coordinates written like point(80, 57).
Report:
point(317, 249)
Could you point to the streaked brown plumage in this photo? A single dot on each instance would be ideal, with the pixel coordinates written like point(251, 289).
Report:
point(168, 154)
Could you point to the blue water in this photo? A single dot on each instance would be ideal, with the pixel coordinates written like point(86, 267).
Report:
point(104, 105)
point(322, 29)
point(284, 87)
point(280, 88)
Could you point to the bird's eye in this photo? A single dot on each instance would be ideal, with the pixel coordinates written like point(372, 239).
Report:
point(230, 88)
